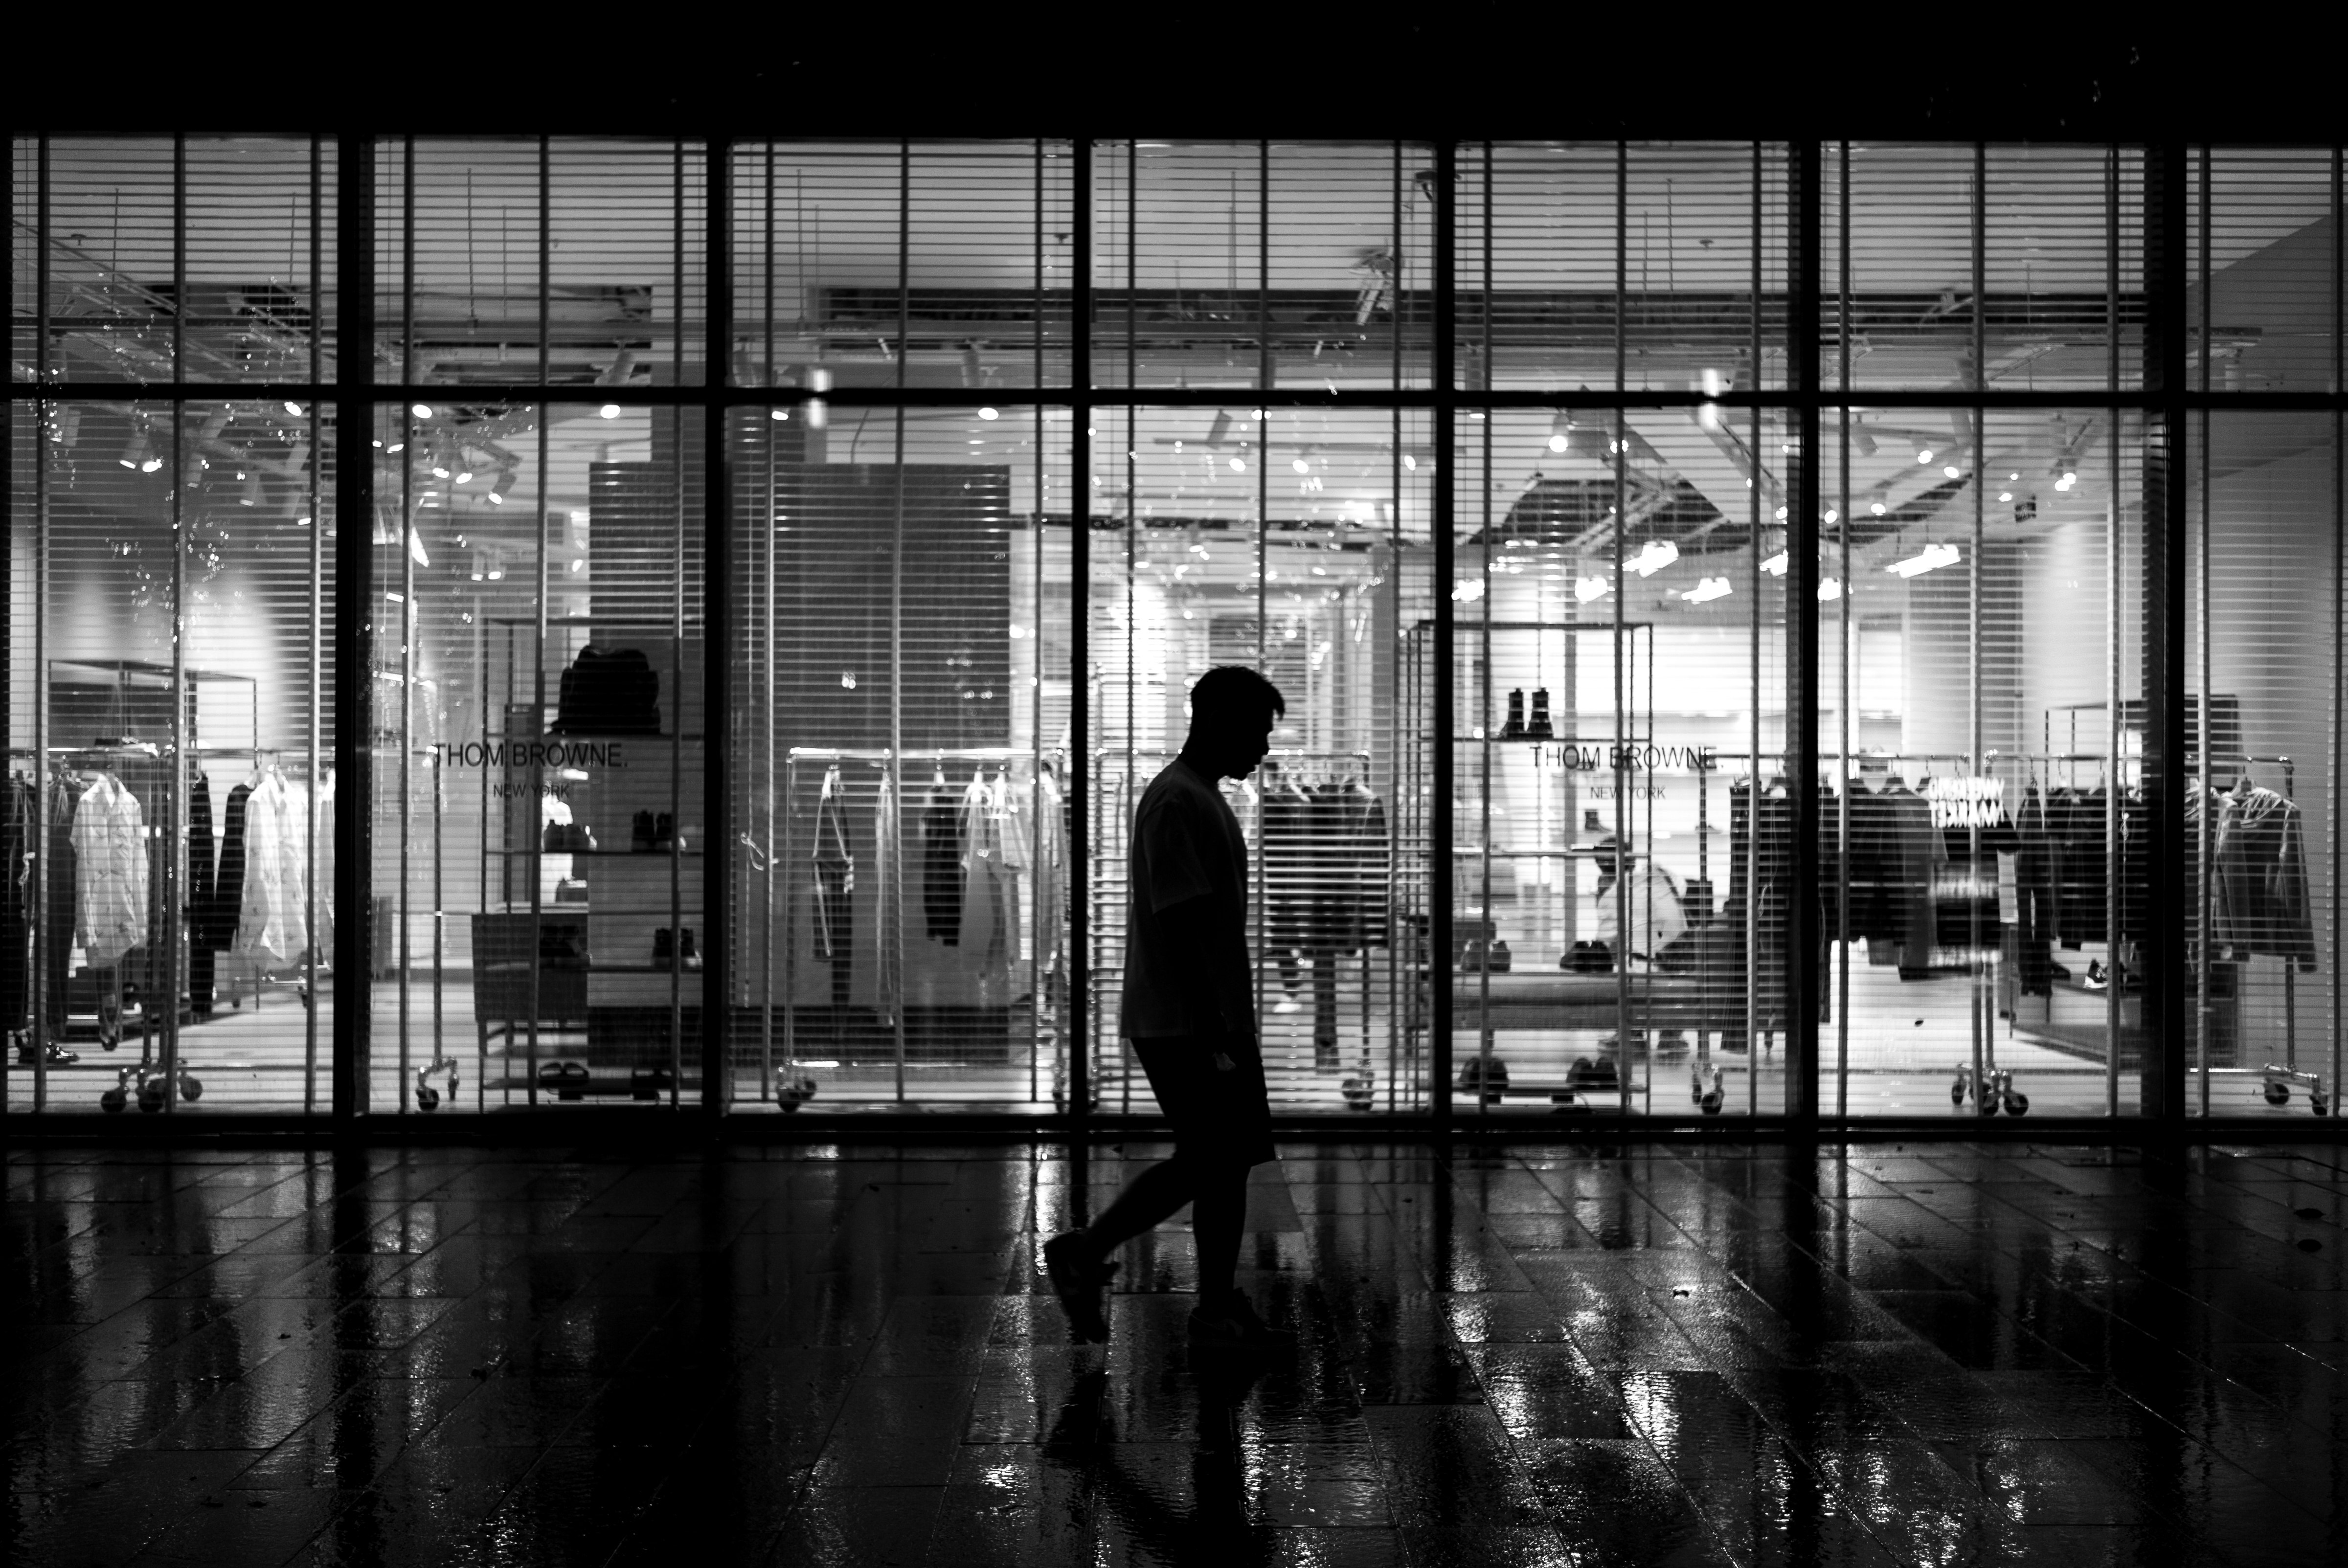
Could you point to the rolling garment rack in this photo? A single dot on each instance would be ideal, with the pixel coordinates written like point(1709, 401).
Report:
point(788, 1084)
point(164, 1008)
point(2276, 1079)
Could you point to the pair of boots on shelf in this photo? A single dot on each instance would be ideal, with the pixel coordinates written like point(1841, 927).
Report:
point(1516, 728)
point(648, 834)
point(674, 949)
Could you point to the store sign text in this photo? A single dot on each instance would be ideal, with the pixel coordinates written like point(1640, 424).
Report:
point(1632, 759)
point(1966, 803)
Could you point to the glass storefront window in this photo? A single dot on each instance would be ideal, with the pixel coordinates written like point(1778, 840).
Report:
point(786, 563)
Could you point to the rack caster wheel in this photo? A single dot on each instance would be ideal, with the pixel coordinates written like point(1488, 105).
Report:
point(190, 1088)
point(114, 1099)
point(426, 1098)
point(2318, 1101)
point(793, 1089)
point(1360, 1092)
point(2017, 1103)
point(2278, 1093)
point(1712, 1101)
point(153, 1096)
point(1957, 1090)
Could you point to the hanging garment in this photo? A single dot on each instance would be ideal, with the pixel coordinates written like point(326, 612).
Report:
point(203, 872)
point(19, 840)
point(1051, 871)
point(609, 691)
point(887, 942)
point(1286, 813)
point(989, 924)
point(2260, 860)
point(2076, 825)
point(835, 876)
point(1921, 851)
point(2032, 911)
point(942, 873)
point(219, 928)
point(64, 876)
point(1370, 854)
point(322, 938)
point(109, 838)
point(271, 926)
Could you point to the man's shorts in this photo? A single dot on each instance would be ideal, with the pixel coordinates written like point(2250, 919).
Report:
point(1220, 1117)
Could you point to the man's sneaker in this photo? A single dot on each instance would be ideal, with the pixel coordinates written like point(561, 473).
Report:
point(1078, 1279)
point(1232, 1326)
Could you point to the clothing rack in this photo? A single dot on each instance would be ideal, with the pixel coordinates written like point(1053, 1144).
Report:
point(889, 763)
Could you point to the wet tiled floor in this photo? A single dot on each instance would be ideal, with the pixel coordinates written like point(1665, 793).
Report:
point(1912, 1353)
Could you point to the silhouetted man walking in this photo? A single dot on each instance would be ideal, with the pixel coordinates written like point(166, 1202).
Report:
point(1189, 1014)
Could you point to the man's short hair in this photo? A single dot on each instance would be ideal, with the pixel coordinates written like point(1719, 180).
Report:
point(1230, 693)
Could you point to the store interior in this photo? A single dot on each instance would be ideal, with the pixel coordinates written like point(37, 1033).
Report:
point(903, 739)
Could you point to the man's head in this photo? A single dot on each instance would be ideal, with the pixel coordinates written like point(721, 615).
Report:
point(1232, 708)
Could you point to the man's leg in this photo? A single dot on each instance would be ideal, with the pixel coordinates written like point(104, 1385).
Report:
point(1148, 1201)
point(1218, 1215)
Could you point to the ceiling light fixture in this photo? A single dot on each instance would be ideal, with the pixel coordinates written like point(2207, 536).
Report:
point(1560, 433)
point(1654, 555)
point(1876, 508)
point(1931, 558)
point(1950, 470)
point(135, 452)
point(988, 414)
point(778, 415)
point(608, 411)
point(421, 410)
point(1708, 589)
point(293, 408)
point(416, 548)
point(1775, 565)
point(1239, 464)
point(1586, 589)
point(1923, 454)
point(1829, 589)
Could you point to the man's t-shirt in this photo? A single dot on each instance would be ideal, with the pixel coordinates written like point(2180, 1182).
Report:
point(1185, 845)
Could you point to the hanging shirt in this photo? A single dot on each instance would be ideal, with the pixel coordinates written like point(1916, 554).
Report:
point(109, 840)
point(835, 873)
point(272, 921)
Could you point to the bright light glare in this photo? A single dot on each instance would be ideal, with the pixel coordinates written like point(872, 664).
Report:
point(988, 414)
point(1708, 589)
point(1931, 558)
point(608, 411)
